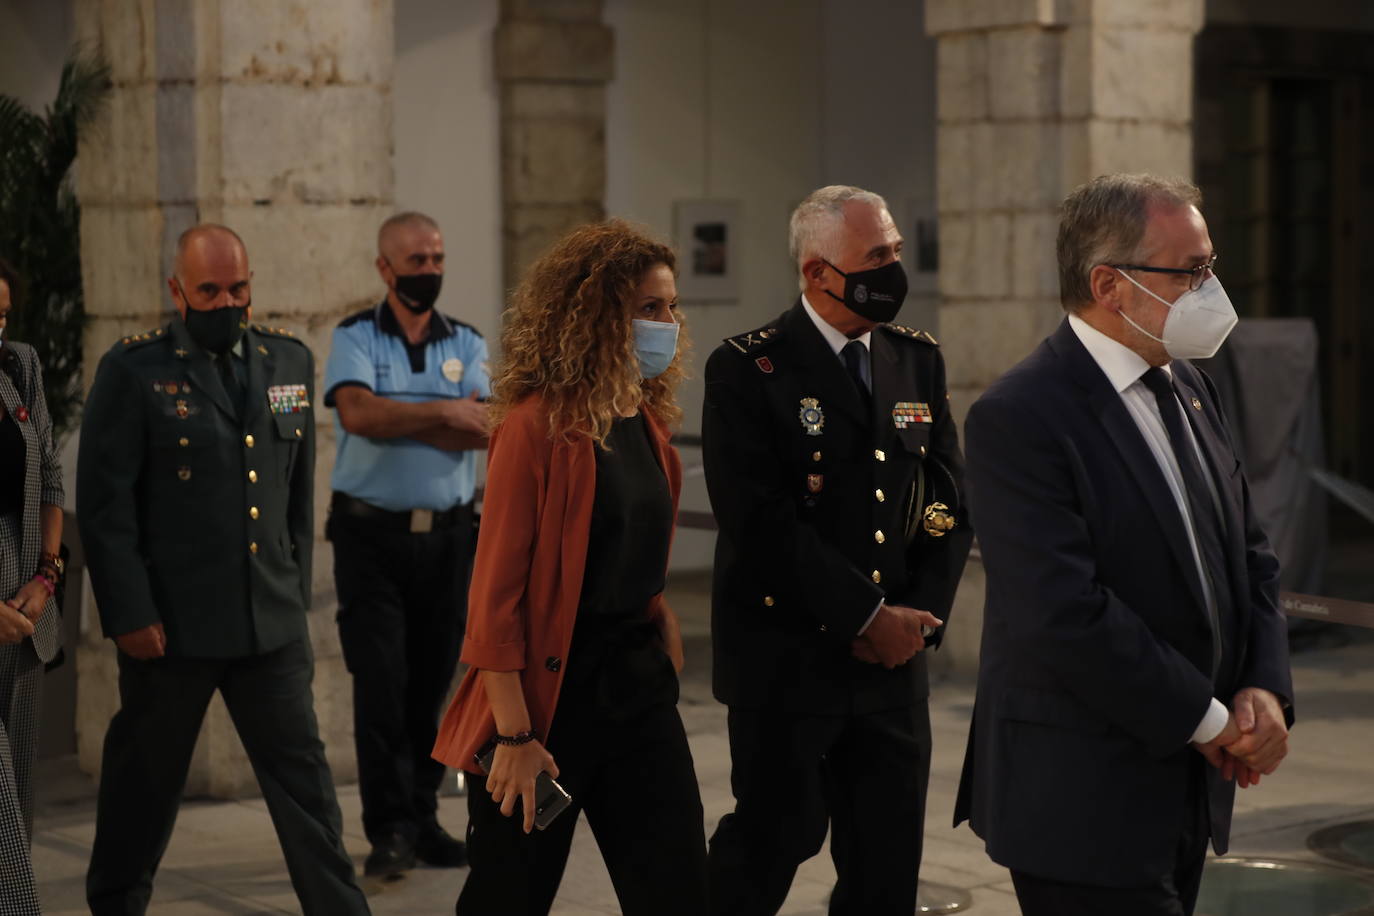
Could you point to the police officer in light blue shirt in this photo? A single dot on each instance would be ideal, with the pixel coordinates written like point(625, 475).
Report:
point(409, 385)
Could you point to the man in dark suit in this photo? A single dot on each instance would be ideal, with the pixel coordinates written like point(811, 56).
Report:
point(834, 472)
point(1131, 633)
point(194, 493)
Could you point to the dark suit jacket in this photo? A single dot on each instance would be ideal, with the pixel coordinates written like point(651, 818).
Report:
point(191, 514)
point(1097, 648)
point(814, 517)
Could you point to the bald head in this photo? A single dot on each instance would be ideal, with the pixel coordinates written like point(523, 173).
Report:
point(397, 229)
point(210, 270)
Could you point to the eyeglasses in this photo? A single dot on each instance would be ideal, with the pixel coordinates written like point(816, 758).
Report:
point(1196, 275)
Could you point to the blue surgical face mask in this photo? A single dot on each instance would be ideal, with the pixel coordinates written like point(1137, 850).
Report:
point(655, 345)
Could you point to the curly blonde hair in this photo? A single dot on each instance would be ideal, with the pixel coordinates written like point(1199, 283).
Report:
point(567, 334)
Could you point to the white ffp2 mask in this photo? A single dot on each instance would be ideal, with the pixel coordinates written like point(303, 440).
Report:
point(1198, 321)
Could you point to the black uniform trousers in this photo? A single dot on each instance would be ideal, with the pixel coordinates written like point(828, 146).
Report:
point(635, 780)
point(863, 774)
point(1175, 894)
point(402, 609)
point(148, 752)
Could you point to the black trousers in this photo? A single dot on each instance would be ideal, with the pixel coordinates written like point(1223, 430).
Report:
point(635, 781)
point(792, 775)
point(1174, 894)
point(402, 607)
point(148, 751)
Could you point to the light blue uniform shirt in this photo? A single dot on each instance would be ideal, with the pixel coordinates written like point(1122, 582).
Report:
point(370, 350)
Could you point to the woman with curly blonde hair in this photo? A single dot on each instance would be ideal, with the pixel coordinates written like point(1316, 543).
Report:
point(573, 651)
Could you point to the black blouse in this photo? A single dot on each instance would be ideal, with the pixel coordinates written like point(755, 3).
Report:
point(615, 650)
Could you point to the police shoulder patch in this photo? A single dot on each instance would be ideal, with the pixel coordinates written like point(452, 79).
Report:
point(902, 330)
point(753, 342)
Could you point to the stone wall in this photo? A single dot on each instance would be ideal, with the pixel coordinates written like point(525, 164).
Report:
point(1034, 98)
point(274, 118)
point(553, 60)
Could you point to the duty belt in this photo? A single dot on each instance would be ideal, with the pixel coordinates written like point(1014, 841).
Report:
point(418, 521)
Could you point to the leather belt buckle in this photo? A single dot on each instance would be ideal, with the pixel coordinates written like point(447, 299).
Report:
point(421, 521)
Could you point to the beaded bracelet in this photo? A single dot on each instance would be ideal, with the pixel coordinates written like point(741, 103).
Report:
point(49, 584)
point(516, 740)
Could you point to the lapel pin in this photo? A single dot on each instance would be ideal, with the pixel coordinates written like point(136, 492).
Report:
point(765, 365)
point(1197, 405)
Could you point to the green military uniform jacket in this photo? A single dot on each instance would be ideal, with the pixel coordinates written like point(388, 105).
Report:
point(193, 513)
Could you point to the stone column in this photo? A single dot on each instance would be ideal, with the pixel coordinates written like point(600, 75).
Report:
point(1034, 97)
point(274, 118)
point(553, 60)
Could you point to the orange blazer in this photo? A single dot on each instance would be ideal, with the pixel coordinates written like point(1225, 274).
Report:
point(527, 577)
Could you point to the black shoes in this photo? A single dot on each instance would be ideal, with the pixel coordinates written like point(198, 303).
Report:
point(390, 857)
point(435, 847)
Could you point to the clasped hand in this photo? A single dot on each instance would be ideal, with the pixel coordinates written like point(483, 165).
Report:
point(20, 613)
point(893, 636)
point(1254, 741)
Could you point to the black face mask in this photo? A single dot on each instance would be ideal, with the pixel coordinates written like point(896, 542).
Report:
point(217, 330)
point(418, 292)
point(875, 294)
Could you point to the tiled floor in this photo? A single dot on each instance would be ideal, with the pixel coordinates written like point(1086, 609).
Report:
point(224, 857)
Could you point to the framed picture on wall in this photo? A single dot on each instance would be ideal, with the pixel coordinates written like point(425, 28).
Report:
point(706, 233)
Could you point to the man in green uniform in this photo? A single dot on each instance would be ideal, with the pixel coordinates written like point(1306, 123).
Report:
point(195, 483)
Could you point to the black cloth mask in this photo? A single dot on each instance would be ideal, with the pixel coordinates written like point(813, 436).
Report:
point(875, 294)
point(418, 292)
point(217, 330)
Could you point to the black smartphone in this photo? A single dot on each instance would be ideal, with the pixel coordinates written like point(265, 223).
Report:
point(550, 800)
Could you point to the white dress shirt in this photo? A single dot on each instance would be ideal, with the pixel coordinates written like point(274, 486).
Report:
point(1123, 368)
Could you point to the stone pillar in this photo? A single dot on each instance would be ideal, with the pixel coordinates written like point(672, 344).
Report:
point(274, 118)
point(553, 60)
point(1034, 97)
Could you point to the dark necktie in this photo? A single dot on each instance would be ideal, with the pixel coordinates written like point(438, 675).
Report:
point(1206, 524)
point(855, 355)
point(228, 374)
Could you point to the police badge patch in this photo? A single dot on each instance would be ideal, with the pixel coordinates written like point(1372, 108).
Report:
point(812, 417)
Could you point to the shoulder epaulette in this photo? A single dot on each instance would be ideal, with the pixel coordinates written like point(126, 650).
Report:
point(275, 332)
point(138, 340)
point(461, 324)
point(367, 314)
point(902, 330)
point(754, 340)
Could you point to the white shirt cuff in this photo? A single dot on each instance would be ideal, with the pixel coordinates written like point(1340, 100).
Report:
point(1212, 723)
point(876, 609)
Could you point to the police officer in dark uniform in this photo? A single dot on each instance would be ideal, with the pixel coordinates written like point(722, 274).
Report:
point(834, 473)
point(195, 499)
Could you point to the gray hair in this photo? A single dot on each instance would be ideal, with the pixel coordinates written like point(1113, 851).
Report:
point(814, 231)
point(1103, 222)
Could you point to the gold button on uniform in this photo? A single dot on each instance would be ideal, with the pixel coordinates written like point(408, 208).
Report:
point(248, 440)
point(877, 576)
point(815, 456)
point(183, 442)
point(252, 476)
point(878, 495)
point(879, 454)
point(252, 546)
point(923, 451)
point(298, 432)
point(184, 473)
point(879, 537)
point(767, 600)
point(253, 512)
